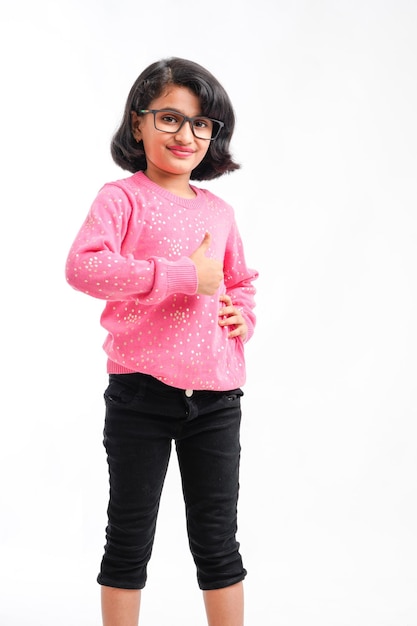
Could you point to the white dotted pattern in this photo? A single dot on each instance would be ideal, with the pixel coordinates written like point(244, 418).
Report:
point(133, 251)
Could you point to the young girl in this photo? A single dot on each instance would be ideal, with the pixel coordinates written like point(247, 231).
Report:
point(168, 260)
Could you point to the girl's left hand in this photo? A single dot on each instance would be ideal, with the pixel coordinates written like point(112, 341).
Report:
point(231, 316)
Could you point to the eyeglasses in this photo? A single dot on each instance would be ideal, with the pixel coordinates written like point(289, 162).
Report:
point(168, 121)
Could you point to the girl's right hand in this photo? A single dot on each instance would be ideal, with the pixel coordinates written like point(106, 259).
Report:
point(209, 271)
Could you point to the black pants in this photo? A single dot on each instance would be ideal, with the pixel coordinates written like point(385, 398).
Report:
point(143, 417)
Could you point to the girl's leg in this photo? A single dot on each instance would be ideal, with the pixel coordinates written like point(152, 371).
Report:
point(209, 455)
point(120, 607)
point(138, 445)
point(224, 607)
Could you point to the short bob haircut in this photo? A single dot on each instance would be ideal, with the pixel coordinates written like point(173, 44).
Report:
point(214, 101)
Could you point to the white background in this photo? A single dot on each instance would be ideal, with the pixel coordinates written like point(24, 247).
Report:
point(325, 95)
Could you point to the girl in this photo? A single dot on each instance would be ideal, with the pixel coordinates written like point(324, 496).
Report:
point(168, 260)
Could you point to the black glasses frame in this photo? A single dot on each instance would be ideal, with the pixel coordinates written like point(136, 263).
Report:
point(191, 120)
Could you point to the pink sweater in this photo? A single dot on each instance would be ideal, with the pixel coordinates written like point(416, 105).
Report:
point(133, 252)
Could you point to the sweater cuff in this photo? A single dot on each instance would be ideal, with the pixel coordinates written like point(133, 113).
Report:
point(182, 277)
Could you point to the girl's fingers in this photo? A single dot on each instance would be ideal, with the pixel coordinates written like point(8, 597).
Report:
point(226, 299)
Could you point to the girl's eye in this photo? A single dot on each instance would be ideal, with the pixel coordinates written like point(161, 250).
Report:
point(169, 119)
point(201, 123)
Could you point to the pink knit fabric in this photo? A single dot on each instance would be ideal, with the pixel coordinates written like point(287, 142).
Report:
point(133, 251)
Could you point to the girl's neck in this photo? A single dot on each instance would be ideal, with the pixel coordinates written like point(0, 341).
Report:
point(177, 185)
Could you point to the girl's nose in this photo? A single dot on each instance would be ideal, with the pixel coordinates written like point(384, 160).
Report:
point(185, 133)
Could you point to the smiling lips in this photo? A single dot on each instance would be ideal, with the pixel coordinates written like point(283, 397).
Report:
point(181, 151)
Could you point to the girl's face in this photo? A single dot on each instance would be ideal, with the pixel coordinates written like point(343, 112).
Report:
point(171, 157)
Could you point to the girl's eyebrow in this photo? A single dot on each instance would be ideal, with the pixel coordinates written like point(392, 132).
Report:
point(174, 110)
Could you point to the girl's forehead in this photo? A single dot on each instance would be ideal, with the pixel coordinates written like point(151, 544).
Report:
point(176, 97)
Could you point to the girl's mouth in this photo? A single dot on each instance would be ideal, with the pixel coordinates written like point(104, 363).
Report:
point(181, 151)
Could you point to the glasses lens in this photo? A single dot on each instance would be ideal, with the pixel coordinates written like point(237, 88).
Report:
point(171, 122)
point(168, 121)
point(204, 128)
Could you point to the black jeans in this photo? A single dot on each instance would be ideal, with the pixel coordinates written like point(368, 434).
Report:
point(143, 417)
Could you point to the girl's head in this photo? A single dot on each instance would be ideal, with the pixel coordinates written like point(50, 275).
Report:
point(214, 102)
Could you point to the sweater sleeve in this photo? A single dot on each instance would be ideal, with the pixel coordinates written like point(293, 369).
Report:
point(101, 263)
point(239, 278)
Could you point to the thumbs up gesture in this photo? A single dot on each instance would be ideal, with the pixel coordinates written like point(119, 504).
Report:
point(209, 271)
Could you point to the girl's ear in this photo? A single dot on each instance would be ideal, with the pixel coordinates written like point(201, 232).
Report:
point(136, 132)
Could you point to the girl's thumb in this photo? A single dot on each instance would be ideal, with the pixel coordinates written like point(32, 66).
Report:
point(206, 242)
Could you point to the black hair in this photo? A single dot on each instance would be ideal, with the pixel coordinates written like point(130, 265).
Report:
point(214, 101)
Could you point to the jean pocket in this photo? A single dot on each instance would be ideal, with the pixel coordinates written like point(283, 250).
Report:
point(122, 389)
point(233, 395)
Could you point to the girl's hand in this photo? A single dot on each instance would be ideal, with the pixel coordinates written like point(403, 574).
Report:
point(231, 316)
point(209, 271)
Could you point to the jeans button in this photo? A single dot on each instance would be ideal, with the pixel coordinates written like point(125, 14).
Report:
point(188, 393)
